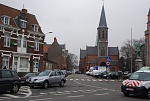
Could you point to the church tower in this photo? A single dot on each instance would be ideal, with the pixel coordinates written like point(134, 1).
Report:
point(102, 35)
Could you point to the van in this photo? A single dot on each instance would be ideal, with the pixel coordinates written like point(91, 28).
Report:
point(97, 70)
point(138, 84)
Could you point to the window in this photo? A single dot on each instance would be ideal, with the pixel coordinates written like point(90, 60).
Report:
point(6, 74)
point(103, 35)
point(102, 51)
point(25, 42)
point(35, 28)
point(19, 40)
point(5, 62)
point(5, 20)
point(7, 40)
point(36, 45)
point(36, 64)
point(23, 24)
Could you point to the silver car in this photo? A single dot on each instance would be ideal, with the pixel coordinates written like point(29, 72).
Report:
point(47, 78)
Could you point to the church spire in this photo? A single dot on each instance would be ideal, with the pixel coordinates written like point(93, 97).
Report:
point(149, 12)
point(103, 22)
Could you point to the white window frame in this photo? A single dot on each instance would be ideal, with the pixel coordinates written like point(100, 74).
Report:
point(25, 42)
point(36, 45)
point(23, 24)
point(35, 28)
point(5, 62)
point(36, 63)
point(5, 20)
point(7, 39)
point(19, 40)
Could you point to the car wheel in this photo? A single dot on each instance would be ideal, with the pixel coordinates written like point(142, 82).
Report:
point(61, 83)
point(126, 94)
point(31, 86)
point(148, 93)
point(15, 88)
point(45, 84)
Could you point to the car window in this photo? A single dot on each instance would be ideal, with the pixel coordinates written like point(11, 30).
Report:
point(58, 73)
point(52, 73)
point(6, 74)
point(45, 73)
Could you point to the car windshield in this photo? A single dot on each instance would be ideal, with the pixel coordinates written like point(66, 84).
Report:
point(45, 73)
point(29, 74)
point(142, 76)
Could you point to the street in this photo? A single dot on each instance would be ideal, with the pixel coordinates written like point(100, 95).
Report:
point(78, 87)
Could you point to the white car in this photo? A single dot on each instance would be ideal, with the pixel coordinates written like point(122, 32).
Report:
point(90, 72)
point(138, 83)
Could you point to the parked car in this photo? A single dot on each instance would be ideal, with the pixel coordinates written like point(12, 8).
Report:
point(138, 84)
point(9, 81)
point(110, 75)
point(26, 76)
point(89, 72)
point(47, 78)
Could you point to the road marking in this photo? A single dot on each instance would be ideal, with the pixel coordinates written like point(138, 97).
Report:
point(102, 94)
point(74, 96)
point(43, 93)
point(71, 79)
point(62, 94)
point(41, 99)
point(93, 79)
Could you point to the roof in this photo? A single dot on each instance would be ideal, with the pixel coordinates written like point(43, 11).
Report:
point(14, 13)
point(113, 51)
point(92, 50)
point(149, 12)
point(102, 22)
point(82, 53)
point(46, 46)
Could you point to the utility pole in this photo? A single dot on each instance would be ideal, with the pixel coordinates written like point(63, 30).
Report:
point(131, 50)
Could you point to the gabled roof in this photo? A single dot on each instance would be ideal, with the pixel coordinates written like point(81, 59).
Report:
point(113, 51)
point(149, 12)
point(82, 53)
point(14, 13)
point(91, 50)
point(103, 22)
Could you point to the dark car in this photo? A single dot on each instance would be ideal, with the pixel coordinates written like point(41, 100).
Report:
point(9, 81)
point(26, 76)
point(110, 75)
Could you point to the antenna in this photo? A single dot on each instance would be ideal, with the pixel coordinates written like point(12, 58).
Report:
point(103, 1)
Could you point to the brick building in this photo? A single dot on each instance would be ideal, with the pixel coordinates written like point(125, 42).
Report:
point(147, 41)
point(55, 55)
point(21, 39)
point(96, 55)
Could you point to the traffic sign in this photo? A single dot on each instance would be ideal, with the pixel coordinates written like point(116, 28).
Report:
point(107, 63)
point(107, 58)
point(107, 66)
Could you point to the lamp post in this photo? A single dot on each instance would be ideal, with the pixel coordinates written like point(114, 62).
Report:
point(131, 50)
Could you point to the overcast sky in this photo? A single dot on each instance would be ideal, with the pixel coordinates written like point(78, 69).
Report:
point(75, 22)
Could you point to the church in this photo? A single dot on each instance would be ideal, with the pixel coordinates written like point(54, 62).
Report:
point(100, 54)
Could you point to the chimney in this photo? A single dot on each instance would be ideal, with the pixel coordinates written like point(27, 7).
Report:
point(55, 40)
point(24, 11)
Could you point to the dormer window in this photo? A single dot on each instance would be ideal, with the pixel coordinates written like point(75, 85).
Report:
point(35, 28)
point(5, 20)
point(23, 23)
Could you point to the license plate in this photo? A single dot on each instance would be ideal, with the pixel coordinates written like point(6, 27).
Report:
point(130, 89)
point(31, 82)
point(22, 81)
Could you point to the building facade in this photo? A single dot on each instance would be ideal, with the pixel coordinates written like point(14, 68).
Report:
point(21, 39)
point(56, 56)
point(147, 41)
point(96, 55)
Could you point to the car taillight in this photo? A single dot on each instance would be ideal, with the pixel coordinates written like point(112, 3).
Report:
point(19, 78)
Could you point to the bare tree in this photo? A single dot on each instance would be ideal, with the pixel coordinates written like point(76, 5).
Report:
point(72, 61)
point(129, 52)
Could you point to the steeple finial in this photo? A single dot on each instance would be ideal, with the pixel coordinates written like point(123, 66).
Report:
point(23, 6)
point(103, 1)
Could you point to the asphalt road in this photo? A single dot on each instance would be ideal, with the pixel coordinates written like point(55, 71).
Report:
point(78, 87)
